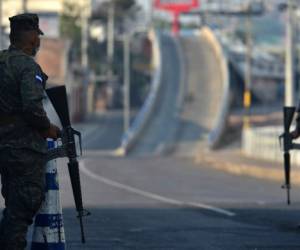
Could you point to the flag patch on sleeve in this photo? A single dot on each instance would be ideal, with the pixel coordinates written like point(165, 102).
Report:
point(39, 79)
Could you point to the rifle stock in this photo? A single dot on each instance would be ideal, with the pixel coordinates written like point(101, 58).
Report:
point(58, 98)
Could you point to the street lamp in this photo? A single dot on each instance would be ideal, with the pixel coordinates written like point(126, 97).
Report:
point(86, 12)
point(110, 53)
point(127, 37)
point(126, 51)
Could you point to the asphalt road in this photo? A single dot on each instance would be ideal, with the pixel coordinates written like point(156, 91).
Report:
point(170, 203)
point(161, 130)
point(189, 100)
point(147, 201)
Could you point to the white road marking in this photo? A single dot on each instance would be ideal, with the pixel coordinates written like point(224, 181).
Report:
point(152, 196)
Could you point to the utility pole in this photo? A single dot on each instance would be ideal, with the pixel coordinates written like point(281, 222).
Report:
point(289, 99)
point(110, 32)
point(151, 13)
point(110, 51)
point(1, 28)
point(248, 70)
point(127, 39)
point(24, 6)
point(84, 34)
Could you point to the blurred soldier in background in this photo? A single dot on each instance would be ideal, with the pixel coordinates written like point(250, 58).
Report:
point(24, 127)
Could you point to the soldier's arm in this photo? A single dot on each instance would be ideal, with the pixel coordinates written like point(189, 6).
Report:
point(32, 94)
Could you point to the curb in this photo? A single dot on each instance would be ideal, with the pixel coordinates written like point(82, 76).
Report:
point(250, 169)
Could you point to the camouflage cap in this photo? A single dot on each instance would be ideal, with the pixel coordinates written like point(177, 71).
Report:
point(24, 22)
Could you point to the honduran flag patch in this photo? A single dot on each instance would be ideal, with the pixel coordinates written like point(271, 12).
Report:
point(39, 79)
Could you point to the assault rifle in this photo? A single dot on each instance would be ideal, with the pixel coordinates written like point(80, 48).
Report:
point(58, 98)
point(286, 137)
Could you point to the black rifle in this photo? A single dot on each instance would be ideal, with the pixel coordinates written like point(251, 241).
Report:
point(58, 98)
point(288, 114)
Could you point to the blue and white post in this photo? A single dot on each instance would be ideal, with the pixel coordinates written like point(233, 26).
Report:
point(48, 232)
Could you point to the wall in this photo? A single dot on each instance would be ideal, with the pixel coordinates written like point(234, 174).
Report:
point(53, 58)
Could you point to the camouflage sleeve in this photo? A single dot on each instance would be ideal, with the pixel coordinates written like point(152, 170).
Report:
point(32, 94)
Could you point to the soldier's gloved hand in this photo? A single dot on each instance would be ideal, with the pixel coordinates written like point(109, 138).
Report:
point(53, 132)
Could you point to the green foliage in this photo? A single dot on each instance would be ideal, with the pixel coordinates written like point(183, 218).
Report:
point(70, 27)
point(121, 9)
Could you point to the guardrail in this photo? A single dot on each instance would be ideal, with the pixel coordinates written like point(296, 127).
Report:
point(263, 143)
point(220, 127)
point(138, 125)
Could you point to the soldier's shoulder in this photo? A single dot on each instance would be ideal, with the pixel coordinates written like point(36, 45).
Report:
point(21, 57)
point(20, 60)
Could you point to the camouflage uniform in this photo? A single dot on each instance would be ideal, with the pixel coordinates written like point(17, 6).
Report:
point(22, 147)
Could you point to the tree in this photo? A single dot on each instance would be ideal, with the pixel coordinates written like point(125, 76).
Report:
point(123, 9)
point(70, 27)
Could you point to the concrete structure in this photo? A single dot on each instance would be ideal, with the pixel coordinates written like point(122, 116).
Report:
point(13, 7)
point(53, 58)
point(267, 69)
point(263, 143)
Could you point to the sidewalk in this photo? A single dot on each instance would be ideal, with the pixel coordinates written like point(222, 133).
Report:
point(233, 161)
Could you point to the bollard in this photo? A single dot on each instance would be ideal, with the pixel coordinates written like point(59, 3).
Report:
point(48, 232)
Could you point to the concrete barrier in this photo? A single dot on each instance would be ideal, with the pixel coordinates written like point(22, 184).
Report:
point(263, 143)
point(216, 134)
point(48, 233)
point(138, 125)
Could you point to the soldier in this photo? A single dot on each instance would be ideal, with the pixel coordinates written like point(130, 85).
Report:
point(24, 127)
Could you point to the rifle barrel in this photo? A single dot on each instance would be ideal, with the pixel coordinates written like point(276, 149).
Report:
point(287, 169)
point(81, 229)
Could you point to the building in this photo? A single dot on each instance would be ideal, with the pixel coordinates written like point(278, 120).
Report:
point(53, 55)
point(48, 11)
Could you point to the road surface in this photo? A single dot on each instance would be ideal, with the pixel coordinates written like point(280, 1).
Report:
point(150, 202)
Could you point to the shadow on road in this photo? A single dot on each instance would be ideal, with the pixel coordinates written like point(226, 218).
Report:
point(179, 228)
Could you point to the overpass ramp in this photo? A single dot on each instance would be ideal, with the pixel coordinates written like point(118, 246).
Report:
point(190, 106)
